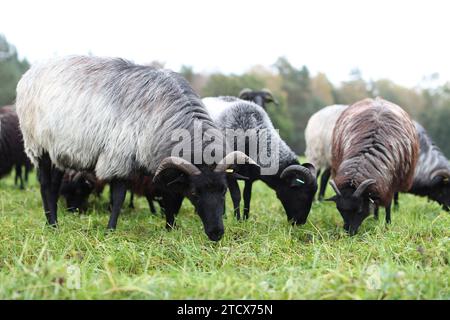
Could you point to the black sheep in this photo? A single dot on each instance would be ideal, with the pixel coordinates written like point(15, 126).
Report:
point(12, 153)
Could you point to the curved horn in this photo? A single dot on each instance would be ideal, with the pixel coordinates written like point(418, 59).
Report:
point(442, 172)
point(363, 186)
point(244, 91)
point(335, 188)
point(177, 163)
point(228, 161)
point(298, 168)
point(267, 91)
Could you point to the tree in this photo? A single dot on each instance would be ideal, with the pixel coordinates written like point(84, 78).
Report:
point(11, 69)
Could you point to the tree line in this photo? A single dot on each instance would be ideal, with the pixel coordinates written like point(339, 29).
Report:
point(299, 93)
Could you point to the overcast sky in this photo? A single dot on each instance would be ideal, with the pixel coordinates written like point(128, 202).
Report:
point(397, 39)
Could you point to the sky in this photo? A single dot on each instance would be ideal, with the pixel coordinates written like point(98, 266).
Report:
point(403, 40)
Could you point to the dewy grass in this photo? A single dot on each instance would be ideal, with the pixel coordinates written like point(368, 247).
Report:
point(262, 258)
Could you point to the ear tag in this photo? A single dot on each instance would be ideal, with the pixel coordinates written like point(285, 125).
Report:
point(229, 171)
point(300, 181)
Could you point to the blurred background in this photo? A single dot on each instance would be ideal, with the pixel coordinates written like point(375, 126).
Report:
point(310, 54)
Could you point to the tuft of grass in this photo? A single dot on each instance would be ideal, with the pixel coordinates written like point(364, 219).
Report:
point(262, 258)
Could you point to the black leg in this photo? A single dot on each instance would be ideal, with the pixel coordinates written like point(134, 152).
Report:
point(19, 176)
point(247, 198)
point(171, 204)
point(44, 176)
point(118, 193)
point(57, 176)
point(131, 205)
point(150, 203)
point(235, 193)
point(396, 201)
point(388, 214)
point(323, 183)
point(375, 211)
point(50, 179)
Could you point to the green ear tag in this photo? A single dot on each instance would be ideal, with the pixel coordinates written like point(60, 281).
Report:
point(300, 181)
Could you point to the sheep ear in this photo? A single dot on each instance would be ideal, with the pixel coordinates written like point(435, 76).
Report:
point(179, 179)
point(310, 167)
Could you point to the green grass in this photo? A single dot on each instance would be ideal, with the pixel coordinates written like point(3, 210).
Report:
point(262, 258)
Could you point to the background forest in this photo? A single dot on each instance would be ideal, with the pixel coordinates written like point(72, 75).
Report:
point(299, 93)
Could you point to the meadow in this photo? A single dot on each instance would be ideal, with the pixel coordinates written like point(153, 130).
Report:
point(262, 258)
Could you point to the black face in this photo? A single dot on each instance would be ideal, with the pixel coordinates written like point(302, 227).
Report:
point(261, 98)
point(296, 198)
point(352, 209)
point(207, 193)
point(441, 193)
point(76, 194)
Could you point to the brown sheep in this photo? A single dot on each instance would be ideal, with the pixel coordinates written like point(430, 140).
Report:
point(374, 155)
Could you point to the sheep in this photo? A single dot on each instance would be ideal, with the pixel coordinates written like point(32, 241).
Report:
point(115, 119)
point(261, 97)
point(76, 187)
point(431, 178)
point(12, 153)
point(374, 153)
point(318, 136)
point(294, 184)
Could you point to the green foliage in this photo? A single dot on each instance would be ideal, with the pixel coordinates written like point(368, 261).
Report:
point(11, 69)
point(300, 95)
point(262, 258)
point(223, 85)
point(436, 122)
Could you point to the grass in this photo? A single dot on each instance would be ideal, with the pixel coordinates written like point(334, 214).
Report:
point(262, 258)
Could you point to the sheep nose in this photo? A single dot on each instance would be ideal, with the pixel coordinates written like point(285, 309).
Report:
point(215, 234)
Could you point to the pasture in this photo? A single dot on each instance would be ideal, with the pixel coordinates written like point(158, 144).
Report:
point(262, 258)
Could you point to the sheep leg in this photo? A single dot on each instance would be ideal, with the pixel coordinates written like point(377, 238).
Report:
point(50, 181)
point(247, 198)
point(19, 176)
point(118, 194)
point(57, 176)
point(150, 203)
point(235, 193)
point(388, 213)
point(323, 183)
point(171, 206)
point(375, 211)
point(131, 205)
point(396, 201)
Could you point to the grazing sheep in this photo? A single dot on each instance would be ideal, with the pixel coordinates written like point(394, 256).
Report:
point(76, 187)
point(318, 136)
point(12, 153)
point(261, 97)
point(431, 178)
point(374, 155)
point(116, 119)
point(295, 184)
